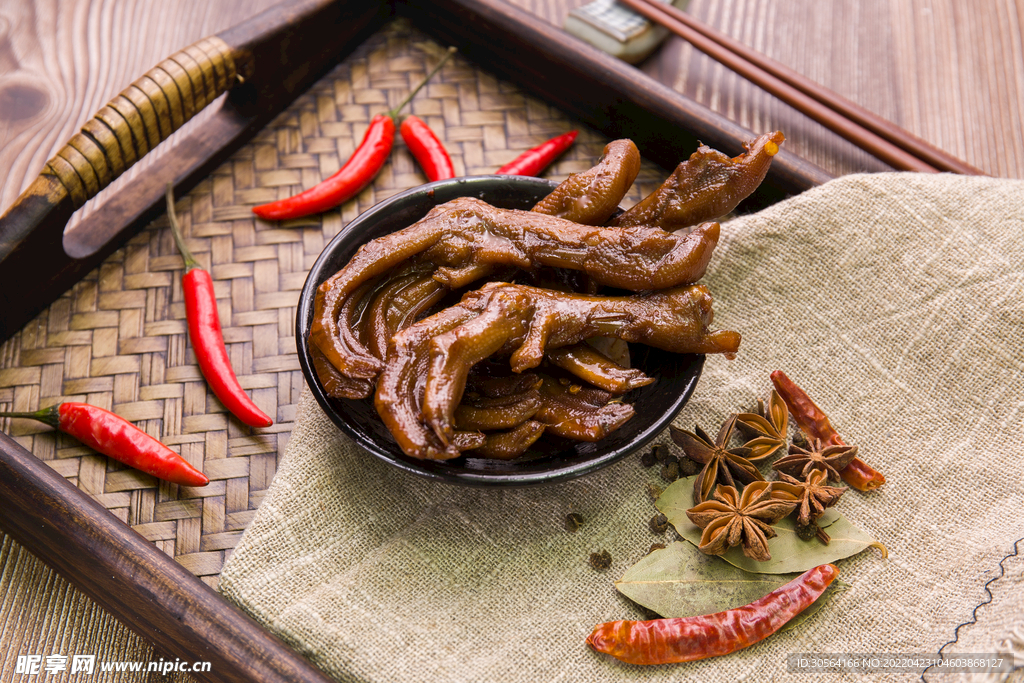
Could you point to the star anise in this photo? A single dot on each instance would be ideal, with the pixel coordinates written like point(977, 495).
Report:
point(771, 429)
point(813, 493)
point(831, 459)
point(731, 519)
point(721, 465)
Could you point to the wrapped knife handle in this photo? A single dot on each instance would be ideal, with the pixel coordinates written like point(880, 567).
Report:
point(141, 116)
point(145, 113)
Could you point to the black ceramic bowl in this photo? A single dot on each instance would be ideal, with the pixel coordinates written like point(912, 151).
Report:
point(551, 459)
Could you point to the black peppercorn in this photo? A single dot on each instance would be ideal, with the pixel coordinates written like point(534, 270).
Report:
point(688, 467)
point(573, 521)
point(670, 471)
point(658, 523)
point(600, 560)
point(806, 532)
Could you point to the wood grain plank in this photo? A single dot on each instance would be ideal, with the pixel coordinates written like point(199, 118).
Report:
point(61, 62)
point(950, 72)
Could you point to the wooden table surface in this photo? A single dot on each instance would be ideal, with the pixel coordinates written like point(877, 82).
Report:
point(949, 71)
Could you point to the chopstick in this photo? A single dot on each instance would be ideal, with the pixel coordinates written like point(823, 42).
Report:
point(890, 143)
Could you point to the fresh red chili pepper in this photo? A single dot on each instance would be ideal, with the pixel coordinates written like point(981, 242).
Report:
point(533, 161)
point(815, 424)
point(427, 149)
point(667, 641)
point(204, 331)
point(116, 437)
point(361, 168)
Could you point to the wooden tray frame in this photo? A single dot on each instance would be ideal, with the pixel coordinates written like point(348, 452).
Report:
point(156, 597)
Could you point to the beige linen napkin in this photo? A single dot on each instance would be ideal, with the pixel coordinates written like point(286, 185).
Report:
point(896, 300)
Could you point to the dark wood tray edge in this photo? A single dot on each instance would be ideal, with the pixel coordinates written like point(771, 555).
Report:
point(157, 598)
point(129, 577)
point(598, 89)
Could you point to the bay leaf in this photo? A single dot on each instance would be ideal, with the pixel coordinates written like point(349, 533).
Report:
point(681, 581)
point(789, 553)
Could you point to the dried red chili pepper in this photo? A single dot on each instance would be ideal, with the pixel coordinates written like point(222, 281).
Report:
point(427, 149)
point(204, 331)
point(815, 424)
point(668, 641)
point(116, 437)
point(533, 161)
point(361, 168)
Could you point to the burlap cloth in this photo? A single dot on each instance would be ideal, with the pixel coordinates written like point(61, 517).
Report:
point(896, 300)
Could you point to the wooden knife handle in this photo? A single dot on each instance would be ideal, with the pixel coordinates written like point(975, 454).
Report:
point(141, 116)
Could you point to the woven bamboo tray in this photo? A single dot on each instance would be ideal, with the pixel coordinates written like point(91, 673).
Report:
point(118, 338)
